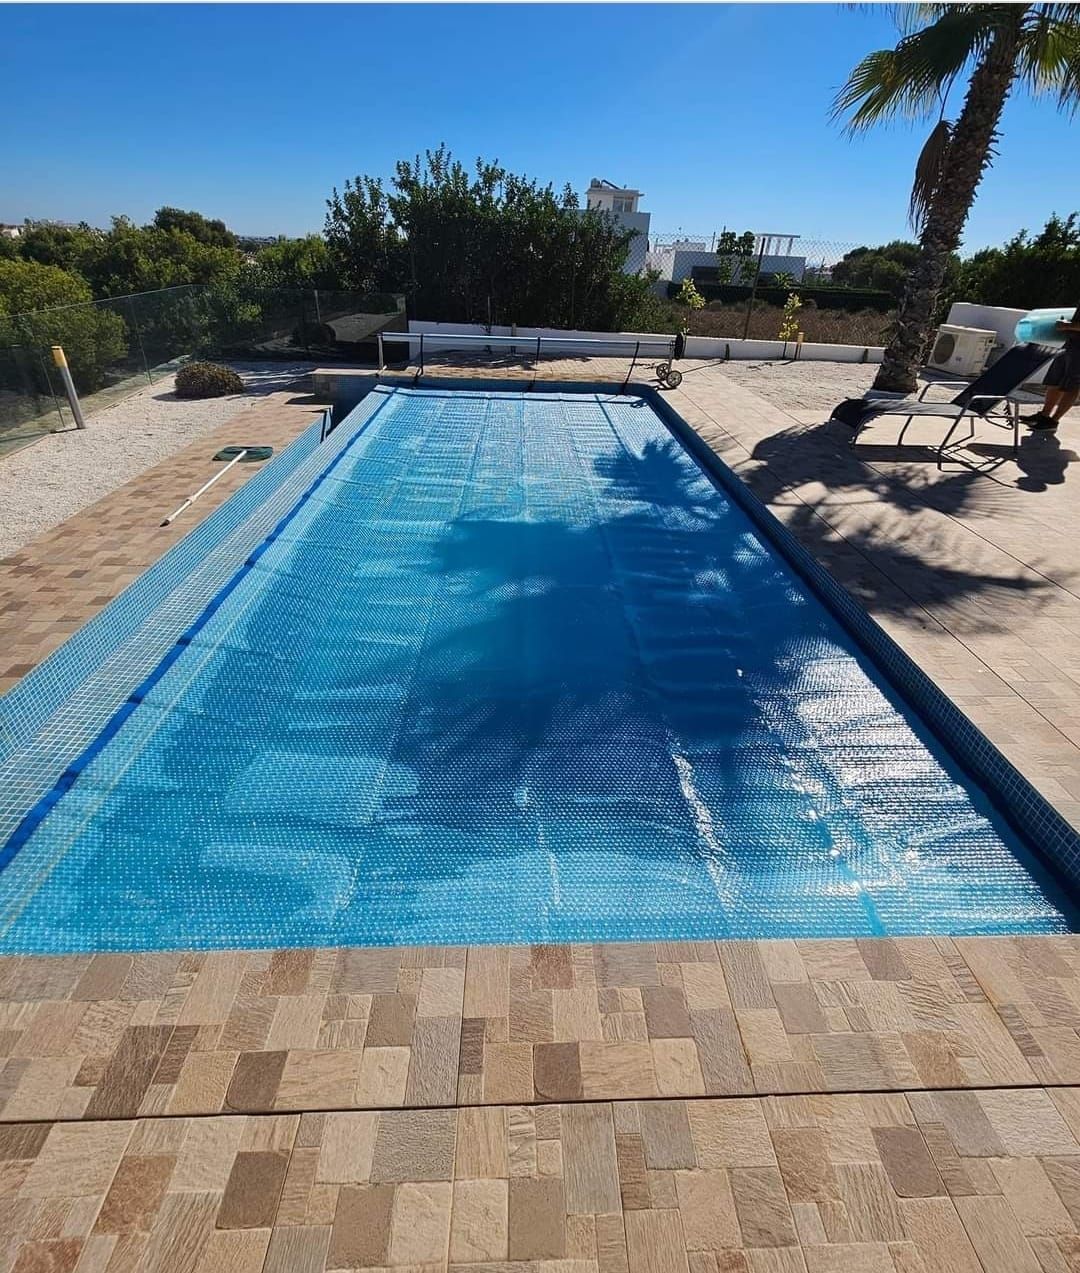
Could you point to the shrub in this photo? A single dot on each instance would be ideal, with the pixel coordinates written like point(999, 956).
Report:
point(789, 327)
point(691, 300)
point(207, 380)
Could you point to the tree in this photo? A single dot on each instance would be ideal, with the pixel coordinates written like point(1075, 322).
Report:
point(1026, 272)
point(886, 268)
point(178, 248)
point(691, 301)
point(789, 323)
point(130, 258)
point(213, 233)
point(42, 305)
point(736, 261)
point(293, 263)
point(62, 245)
point(483, 245)
point(365, 250)
point(883, 268)
point(998, 45)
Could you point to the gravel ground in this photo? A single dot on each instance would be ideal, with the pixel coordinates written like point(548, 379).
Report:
point(799, 387)
point(51, 480)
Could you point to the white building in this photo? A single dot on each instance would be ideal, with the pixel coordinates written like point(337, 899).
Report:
point(621, 203)
point(678, 259)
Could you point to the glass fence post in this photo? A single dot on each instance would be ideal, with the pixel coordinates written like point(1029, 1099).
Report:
point(138, 337)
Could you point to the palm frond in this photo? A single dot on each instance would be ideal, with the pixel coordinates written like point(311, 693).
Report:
point(928, 172)
point(910, 18)
point(1049, 56)
point(1060, 12)
point(910, 80)
point(1069, 88)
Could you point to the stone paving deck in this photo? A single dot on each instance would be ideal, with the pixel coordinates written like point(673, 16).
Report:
point(57, 582)
point(853, 1184)
point(740, 1107)
point(165, 1033)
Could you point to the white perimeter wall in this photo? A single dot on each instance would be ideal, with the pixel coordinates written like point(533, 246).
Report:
point(989, 317)
point(439, 336)
point(684, 260)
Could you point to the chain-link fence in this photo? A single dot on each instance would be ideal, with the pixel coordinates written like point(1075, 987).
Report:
point(761, 286)
point(118, 345)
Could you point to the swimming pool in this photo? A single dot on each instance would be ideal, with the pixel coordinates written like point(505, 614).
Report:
point(512, 668)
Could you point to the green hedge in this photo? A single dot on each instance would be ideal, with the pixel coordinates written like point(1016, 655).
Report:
point(845, 298)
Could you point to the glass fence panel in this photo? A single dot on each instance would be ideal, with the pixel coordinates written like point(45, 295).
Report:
point(32, 400)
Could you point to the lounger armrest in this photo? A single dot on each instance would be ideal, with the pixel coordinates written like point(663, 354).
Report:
point(934, 384)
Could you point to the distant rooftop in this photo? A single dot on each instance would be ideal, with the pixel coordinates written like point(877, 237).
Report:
point(602, 183)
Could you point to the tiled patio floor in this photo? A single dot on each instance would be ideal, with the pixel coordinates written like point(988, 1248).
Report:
point(853, 1184)
point(53, 585)
point(790, 1107)
point(121, 1036)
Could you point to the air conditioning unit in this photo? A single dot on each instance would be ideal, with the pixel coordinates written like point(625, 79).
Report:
point(963, 351)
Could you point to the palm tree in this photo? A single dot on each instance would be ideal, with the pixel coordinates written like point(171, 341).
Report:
point(1036, 46)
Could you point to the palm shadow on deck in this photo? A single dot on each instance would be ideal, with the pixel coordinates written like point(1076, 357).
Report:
point(861, 511)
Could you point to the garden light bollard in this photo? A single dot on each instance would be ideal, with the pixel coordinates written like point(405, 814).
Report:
point(60, 359)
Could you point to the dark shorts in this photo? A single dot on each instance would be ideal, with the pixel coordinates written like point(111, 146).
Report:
point(1064, 371)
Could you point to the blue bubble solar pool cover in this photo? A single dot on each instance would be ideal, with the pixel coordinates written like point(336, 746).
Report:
point(513, 669)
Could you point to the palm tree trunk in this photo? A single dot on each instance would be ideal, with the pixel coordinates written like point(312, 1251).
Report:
point(969, 155)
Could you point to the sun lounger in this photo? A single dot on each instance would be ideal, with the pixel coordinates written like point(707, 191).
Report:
point(989, 397)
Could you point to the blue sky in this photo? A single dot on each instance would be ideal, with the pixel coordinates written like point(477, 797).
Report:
point(254, 112)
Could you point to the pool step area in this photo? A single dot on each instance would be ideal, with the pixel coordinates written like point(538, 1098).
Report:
point(902, 1184)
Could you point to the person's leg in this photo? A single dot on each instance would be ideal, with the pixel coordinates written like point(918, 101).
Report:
point(1044, 417)
point(1063, 400)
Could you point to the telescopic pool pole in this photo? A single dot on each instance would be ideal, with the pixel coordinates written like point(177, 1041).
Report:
point(205, 487)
